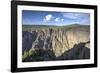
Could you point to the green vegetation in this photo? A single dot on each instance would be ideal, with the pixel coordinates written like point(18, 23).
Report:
point(38, 55)
point(32, 55)
point(65, 27)
point(27, 54)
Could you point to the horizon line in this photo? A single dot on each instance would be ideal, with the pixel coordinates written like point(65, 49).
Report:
point(54, 25)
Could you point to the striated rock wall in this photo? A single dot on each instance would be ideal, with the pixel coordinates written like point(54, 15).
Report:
point(57, 40)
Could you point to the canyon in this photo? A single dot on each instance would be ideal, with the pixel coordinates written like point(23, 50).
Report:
point(55, 42)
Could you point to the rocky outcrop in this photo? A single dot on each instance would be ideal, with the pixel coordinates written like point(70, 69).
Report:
point(58, 40)
point(79, 51)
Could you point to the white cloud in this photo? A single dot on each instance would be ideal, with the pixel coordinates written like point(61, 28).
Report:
point(74, 15)
point(62, 19)
point(57, 19)
point(48, 17)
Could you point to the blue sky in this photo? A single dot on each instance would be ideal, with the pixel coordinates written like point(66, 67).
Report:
point(54, 18)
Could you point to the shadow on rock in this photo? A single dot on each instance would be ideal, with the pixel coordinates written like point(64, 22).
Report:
point(79, 51)
point(27, 40)
point(41, 55)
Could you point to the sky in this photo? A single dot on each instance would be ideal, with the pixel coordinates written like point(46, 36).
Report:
point(30, 17)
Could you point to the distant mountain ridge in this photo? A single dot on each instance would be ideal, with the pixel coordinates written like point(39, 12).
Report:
point(26, 27)
point(42, 25)
point(58, 39)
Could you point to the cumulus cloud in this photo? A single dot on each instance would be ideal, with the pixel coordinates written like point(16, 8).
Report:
point(48, 17)
point(62, 19)
point(51, 18)
point(57, 19)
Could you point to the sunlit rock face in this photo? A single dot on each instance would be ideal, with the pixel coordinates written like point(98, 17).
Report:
point(58, 40)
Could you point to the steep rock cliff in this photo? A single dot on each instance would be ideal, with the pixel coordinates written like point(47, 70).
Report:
point(55, 39)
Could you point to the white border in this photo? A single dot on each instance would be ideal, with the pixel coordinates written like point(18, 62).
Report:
point(53, 63)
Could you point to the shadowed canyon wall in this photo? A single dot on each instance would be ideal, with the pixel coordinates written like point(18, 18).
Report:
point(58, 40)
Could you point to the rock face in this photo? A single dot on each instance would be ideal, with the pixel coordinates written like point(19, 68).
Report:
point(58, 40)
point(79, 51)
